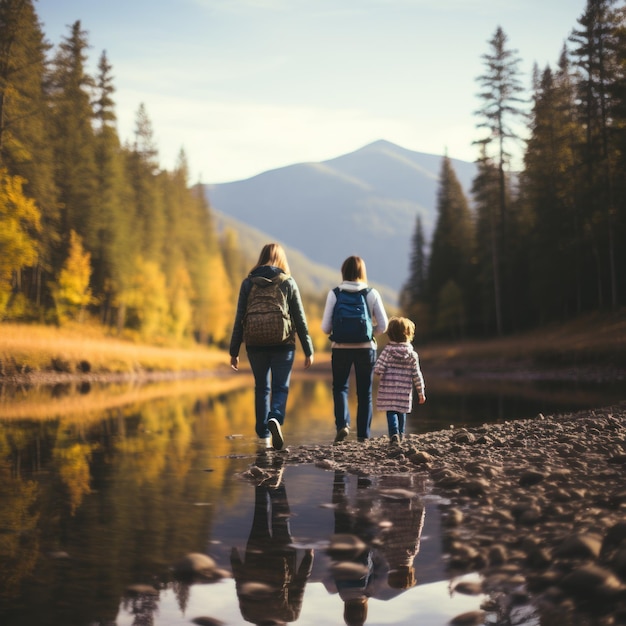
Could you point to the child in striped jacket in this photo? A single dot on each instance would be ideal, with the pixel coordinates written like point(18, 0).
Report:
point(399, 370)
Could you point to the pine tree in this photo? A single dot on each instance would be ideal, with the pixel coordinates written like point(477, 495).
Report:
point(485, 192)
point(618, 96)
point(500, 93)
point(25, 147)
point(452, 244)
point(414, 290)
point(74, 140)
point(111, 231)
point(413, 295)
point(549, 186)
point(201, 242)
point(147, 188)
point(594, 55)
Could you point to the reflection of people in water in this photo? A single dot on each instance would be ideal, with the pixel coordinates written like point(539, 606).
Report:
point(353, 569)
point(404, 511)
point(270, 586)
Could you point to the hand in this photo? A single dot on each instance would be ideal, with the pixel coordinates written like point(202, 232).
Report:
point(422, 398)
point(308, 361)
point(234, 363)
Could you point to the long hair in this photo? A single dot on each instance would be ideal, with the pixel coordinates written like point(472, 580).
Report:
point(353, 268)
point(273, 254)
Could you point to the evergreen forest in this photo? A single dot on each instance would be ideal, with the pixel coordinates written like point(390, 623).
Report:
point(544, 243)
point(93, 228)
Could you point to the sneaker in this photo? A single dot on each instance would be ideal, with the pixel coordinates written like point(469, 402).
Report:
point(265, 442)
point(277, 434)
point(342, 433)
point(395, 440)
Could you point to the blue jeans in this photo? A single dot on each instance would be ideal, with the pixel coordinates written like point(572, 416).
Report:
point(396, 422)
point(342, 361)
point(272, 371)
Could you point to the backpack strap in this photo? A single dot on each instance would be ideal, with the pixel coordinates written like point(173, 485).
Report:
point(366, 292)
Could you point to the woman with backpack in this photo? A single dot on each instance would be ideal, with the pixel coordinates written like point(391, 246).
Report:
point(354, 313)
point(268, 318)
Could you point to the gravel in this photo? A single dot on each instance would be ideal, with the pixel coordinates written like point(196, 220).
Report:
point(536, 506)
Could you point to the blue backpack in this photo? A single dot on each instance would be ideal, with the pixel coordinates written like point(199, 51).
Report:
point(352, 322)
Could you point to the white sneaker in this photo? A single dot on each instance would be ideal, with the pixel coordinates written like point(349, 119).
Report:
point(266, 442)
point(277, 434)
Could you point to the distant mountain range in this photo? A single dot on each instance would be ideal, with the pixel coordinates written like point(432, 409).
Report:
point(364, 203)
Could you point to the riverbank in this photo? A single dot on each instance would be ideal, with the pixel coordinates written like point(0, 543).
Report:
point(536, 506)
point(38, 354)
point(592, 348)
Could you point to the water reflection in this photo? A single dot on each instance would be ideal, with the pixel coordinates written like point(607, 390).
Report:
point(101, 492)
point(269, 582)
point(356, 528)
point(375, 542)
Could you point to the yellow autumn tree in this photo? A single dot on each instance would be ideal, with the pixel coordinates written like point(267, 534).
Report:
point(71, 292)
point(181, 293)
point(219, 311)
point(72, 460)
point(20, 222)
point(146, 300)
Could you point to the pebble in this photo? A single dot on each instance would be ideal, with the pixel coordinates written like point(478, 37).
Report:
point(536, 506)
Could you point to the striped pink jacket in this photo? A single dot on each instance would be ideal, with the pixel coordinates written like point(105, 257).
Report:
point(399, 370)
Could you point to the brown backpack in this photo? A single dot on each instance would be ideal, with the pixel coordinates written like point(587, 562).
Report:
point(267, 321)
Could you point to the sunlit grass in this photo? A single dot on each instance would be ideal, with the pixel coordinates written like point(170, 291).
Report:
point(598, 339)
point(37, 348)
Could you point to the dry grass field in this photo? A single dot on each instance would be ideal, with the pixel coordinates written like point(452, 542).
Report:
point(32, 349)
point(595, 340)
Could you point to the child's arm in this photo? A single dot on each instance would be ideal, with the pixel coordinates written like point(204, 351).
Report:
point(381, 363)
point(418, 381)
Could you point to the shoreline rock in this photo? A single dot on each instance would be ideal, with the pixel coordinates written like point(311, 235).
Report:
point(536, 506)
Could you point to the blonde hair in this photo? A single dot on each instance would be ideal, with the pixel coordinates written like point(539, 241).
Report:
point(353, 268)
point(400, 329)
point(273, 254)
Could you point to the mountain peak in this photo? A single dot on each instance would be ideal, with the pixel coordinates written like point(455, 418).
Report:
point(365, 202)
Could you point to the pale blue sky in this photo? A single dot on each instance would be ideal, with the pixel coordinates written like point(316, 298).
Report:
point(245, 86)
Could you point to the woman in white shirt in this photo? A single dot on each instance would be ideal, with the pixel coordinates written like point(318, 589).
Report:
point(357, 351)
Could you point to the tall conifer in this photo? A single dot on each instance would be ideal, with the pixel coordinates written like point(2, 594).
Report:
point(74, 142)
point(111, 229)
point(485, 192)
point(549, 188)
point(501, 109)
point(25, 147)
point(594, 54)
point(146, 181)
point(414, 290)
point(452, 243)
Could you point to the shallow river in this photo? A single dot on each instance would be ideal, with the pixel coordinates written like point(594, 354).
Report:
point(104, 489)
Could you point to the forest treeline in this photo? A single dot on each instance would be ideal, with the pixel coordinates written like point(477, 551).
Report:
point(91, 226)
point(545, 243)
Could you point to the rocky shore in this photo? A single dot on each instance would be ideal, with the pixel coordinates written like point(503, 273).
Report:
point(537, 506)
